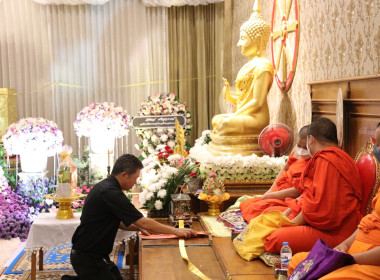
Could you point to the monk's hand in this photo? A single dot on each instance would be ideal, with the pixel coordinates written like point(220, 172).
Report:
point(287, 212)
point(185, 232)
point(342, 247)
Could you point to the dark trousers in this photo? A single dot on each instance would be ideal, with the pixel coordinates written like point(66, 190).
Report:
point(94, 267)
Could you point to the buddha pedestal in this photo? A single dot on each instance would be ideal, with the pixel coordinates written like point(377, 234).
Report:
point(243, 145)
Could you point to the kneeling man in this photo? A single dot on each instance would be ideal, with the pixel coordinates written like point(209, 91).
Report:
point(105, 210)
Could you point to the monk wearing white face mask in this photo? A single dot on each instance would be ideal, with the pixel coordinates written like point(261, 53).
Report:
point(330, 201)
point(285, 185)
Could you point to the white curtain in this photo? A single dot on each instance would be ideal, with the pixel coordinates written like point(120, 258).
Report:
point(71, 2)
point(169, 3)
point(62, 58)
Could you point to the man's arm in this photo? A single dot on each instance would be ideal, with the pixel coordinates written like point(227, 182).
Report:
point(133, 227)
point(371, 257)
point(152, 226)
point(291, 192)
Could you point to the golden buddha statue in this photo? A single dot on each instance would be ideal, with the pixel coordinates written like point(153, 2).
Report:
point(237, 133)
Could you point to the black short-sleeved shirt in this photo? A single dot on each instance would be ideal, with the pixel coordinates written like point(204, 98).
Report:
point(105, 206)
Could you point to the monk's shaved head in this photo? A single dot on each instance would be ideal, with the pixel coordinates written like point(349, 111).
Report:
point(324, 130)
point(302, 134)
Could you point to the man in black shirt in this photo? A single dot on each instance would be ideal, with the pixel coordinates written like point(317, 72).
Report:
point(107, 209)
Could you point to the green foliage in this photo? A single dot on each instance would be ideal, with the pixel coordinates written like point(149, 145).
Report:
point(85, 177)
point(11, 174)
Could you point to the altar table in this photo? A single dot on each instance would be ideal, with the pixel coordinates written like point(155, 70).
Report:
point(215, 257)
point(47, 231)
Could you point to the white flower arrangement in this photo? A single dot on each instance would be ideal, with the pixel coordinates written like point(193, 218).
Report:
point(160, 104)
point(236, 167)
point(111, 118)
point(36, 134)
point(160, 180)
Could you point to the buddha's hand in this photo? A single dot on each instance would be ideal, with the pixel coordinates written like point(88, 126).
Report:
point(226, 88)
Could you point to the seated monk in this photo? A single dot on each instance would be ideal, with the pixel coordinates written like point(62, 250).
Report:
point(363, 245)
point(285, 185)
point(329, 206)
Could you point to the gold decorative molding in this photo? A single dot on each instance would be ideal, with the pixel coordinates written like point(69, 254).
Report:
point(8, 108)
point(368, 149)
point(258, 185)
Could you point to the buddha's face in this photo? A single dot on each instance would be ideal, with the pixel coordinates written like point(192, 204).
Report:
point(247, 46)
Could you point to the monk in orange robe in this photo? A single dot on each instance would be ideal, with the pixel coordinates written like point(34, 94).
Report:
point(329, 206)
point(286, 184)
point(363, 245)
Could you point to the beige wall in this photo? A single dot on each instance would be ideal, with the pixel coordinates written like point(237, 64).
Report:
point(339, 38)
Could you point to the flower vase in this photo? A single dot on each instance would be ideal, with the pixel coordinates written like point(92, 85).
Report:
point(33, 161)
point(214, 208)
point(158, 214)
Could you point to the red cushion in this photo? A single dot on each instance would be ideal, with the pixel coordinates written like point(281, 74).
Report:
point(367, 170)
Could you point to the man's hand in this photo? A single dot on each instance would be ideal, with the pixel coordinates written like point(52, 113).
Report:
point(144, 232)
point(185, 232)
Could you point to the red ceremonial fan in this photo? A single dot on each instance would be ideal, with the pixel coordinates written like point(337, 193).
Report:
point(276, 139)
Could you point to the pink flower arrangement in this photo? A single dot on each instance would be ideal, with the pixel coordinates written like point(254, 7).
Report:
point(33, 134)
point(78, 205)
point(160, 104)
point(111, 118)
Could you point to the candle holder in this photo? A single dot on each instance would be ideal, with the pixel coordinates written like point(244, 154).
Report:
point(64, 205)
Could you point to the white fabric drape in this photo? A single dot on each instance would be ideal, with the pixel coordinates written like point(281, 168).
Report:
point(62, 58)
point(71, 2)
point(169, 3)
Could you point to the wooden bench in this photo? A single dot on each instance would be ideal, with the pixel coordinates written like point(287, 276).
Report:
point(215, 257)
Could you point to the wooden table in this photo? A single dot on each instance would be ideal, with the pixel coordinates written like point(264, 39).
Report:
point(215, 257)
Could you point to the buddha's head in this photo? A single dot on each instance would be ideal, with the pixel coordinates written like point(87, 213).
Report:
point(254, 34)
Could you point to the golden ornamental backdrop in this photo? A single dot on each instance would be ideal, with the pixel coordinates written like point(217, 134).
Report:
point(338, 38)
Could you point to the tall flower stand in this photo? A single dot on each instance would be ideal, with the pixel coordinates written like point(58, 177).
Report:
point(33, 166)
point(101, 151)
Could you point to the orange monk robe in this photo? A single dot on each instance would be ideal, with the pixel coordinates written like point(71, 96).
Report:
point(330, 203)
point(367, 238)
point(251, 208)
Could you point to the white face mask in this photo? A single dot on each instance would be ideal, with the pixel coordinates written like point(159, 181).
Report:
point(302, 151)
point(308, 146)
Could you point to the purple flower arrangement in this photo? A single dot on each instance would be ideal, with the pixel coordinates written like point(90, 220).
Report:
point(34, 194)
point(14, 213)
point(33, 134)
point(19, 207)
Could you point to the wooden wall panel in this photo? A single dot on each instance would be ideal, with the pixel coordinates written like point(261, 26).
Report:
point(361, 107)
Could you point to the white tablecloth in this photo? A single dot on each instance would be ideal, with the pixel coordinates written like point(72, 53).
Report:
point(47, 231)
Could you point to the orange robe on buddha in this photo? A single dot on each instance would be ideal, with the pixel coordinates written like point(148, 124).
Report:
point(251, 208)
point(367, 238)
point(330, 203)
